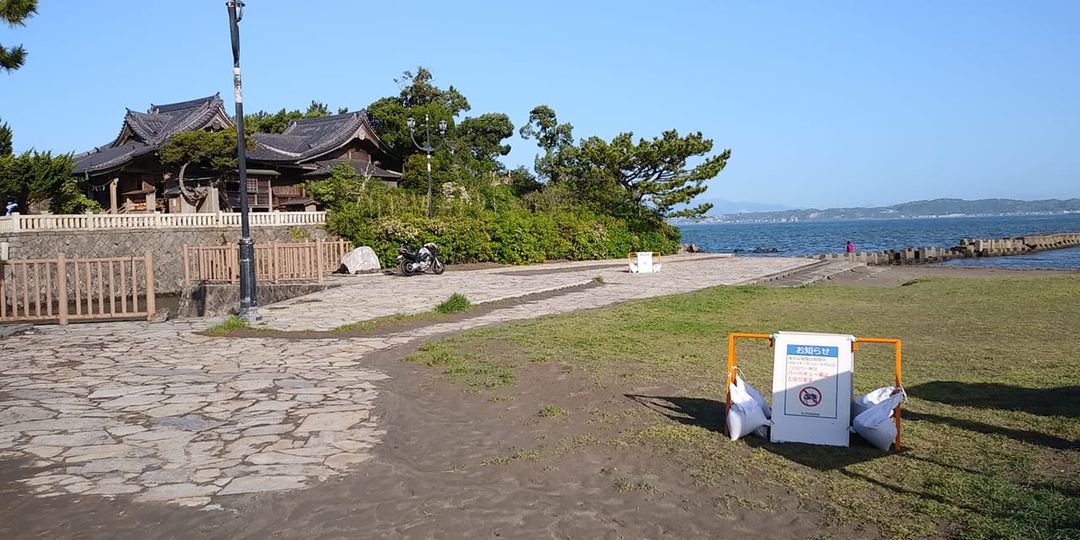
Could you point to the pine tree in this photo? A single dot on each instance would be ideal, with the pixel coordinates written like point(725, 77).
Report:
point(5, 139)
point(15, 13)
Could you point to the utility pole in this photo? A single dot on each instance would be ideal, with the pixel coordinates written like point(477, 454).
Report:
point(249, 311)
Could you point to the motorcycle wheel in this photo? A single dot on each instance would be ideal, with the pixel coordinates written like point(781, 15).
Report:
point(438, 267)
point(406, 268)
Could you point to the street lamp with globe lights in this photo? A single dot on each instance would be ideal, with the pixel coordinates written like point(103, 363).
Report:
point(427, 149)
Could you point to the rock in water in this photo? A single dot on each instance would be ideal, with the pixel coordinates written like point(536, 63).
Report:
point(361, 259)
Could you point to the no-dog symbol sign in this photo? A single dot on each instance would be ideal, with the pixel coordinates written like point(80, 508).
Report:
point(811, 388)
point(810, 396)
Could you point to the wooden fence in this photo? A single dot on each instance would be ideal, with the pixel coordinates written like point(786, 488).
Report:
point(79, 222)
point(274, 262)
point(63, 289)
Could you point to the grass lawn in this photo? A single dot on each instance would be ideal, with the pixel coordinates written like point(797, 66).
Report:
point(991, 429)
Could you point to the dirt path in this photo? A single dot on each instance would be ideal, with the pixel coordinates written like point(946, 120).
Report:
point(457, 465)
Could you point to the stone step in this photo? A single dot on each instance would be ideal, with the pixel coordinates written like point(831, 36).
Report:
point(811, 274)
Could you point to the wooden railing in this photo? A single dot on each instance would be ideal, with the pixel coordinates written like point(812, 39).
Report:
point(82, 222)
point(274, 262)
point(63, 289)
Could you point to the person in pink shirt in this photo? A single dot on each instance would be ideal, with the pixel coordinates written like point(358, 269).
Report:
point(850, 247)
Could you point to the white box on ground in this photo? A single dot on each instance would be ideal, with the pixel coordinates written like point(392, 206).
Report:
point(812, 388)
point(643, 264)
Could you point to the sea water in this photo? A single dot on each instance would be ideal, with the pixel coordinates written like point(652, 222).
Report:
point(813, 237)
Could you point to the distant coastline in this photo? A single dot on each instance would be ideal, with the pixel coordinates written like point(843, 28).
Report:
point(931, 209)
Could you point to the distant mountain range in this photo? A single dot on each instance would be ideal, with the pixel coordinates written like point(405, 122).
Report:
point(915, 209)
point(724, 206)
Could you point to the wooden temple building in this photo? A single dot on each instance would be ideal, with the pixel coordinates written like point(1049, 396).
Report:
point(126, 175)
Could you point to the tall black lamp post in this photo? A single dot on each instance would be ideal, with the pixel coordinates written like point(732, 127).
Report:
point(249, 311)
point(427, 149)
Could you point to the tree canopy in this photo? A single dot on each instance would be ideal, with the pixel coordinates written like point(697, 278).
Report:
point(418, 98)
point(14, 13)
point(650, 175)
point(555, 139)
point(264, 122)
point(587, 199)
point(213, 150)
point(5, 139)
point(32, 177)
point(654, 173)
point(469, 152)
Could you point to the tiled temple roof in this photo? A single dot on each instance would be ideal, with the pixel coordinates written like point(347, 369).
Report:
point(305, 140)
point(302, 144)
point(143, 133)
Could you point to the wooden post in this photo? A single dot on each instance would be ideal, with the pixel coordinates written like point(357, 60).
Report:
point(123, 288)
point(48, 289)
point(112, 292)
point(134, 285)
point(114, 205)
point(37, 290)
point(25, 291)
point(276, 265)
point(234, 265)
point(150, 300)
point(319, 263)
point(78, 291)
point(187, 269)
point(101, 290)
point(61, 287)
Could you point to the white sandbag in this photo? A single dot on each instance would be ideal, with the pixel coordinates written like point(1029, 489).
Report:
point(361, 259)
point(746, 415)
point(876, 425)
point(862, 403)
point(758, 398)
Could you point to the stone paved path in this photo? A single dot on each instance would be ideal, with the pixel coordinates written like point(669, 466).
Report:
point(377, 295)
point(166, 415)
point(159, 413)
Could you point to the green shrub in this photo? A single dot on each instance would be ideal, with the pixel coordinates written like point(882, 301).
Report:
point(481, 222)
point(456, 303)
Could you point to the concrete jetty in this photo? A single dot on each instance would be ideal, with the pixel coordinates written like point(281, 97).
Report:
point(968, 248)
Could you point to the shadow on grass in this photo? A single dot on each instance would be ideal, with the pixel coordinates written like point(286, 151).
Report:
point(1025, 436)
point(709, 414)
point(1064, 401)
point(1066, 490)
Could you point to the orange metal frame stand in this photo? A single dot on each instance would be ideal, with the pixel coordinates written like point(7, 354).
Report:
point(731, 365)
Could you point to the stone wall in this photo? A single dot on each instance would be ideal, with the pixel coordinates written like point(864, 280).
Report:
point(166, 245)
point(966, 249)
point(211, 300)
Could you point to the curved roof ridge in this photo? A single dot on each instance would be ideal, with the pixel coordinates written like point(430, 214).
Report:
point(134, 123)
point(191, 103)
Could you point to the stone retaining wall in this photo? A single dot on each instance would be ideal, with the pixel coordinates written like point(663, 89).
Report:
point(166, 245)
point(967, 248)
point(211, 300)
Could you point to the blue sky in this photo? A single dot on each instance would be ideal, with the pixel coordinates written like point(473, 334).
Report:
point(822, 103)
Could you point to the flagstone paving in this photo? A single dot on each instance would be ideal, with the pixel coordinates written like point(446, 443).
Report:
point(377, 295)
point(159, 413)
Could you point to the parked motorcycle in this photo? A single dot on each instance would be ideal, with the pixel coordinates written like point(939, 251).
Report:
point(419, 261)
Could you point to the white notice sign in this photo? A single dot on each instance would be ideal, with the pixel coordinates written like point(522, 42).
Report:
point(644, 262)
point(812, 388)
